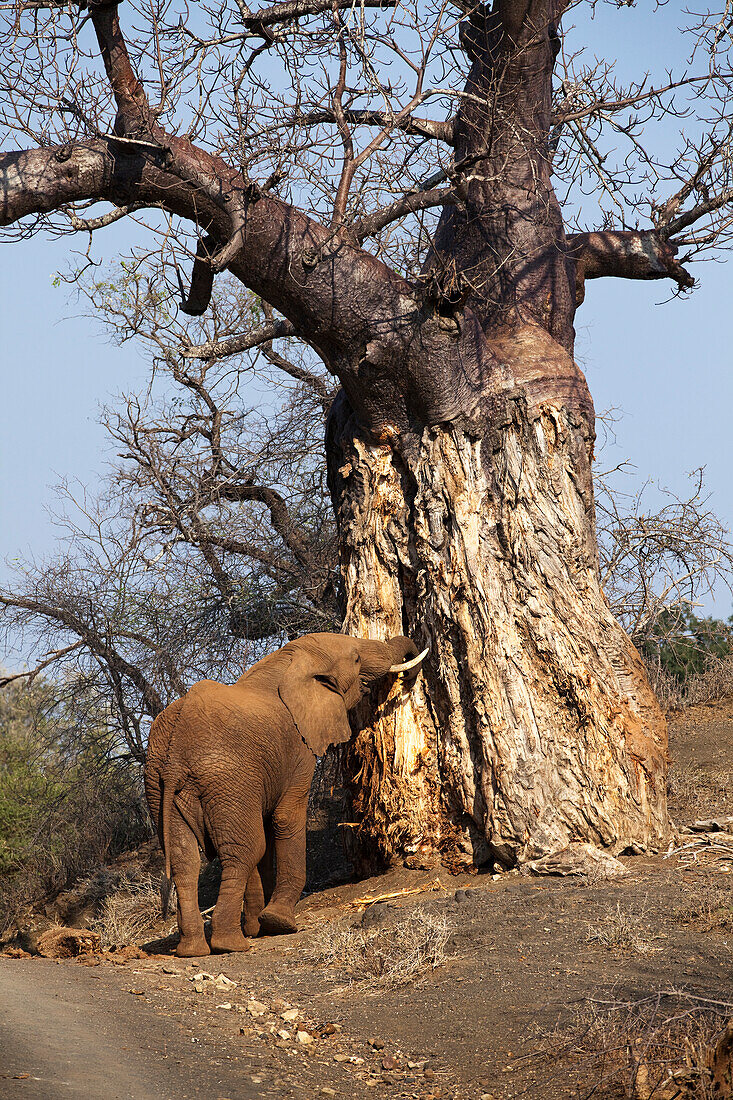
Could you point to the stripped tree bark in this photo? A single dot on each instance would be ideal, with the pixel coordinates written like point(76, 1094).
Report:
point(460, 448)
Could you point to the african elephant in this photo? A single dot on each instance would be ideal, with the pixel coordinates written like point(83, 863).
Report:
point(229, 770)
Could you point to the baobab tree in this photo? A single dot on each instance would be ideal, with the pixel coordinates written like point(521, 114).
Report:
point(429, 263)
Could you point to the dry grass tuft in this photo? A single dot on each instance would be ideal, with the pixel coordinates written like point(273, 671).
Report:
point(713, 683)
point(667, 689)
point(623, 931)
point(696, 792)
point(414, 944)
point(709, 907)
point(131, 912)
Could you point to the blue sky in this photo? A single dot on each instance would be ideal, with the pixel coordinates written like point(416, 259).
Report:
point(667, 367)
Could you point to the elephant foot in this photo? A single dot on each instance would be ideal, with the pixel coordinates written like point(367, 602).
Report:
point(251, 927)
point(192, 947)
point(229, 941)
point(275, 921)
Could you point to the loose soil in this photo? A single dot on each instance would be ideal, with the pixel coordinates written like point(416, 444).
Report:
point(527, 959)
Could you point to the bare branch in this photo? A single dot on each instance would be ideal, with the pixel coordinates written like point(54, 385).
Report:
point(51, 658)
point(91, 224)
point(625, 255)
point(232, 345)
point(94, 641)
point(564, 114)
point(371, 224)
point(716, 202)
point(349, 164)
point(134, 117)
point(296, 9)
point(280, 516)
point(196, 302)
point(313, 381)
point(422, 127)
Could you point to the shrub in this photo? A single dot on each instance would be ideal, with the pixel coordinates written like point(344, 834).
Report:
point(688, 660)
point(670, 1045)
point(683, 645)
point(67, 800)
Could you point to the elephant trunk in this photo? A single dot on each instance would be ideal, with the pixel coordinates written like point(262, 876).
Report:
point(380, 658)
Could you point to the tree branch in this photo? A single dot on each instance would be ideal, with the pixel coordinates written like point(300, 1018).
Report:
point(245, 341)
point(112, 216)
point(322, 391)
point(37, 181)
point(330, 289)
point(408, 204)
point(563, 116)
point(134, 116)
point(94, 643)
point(642, 254)
point(280, 571)
point(56, 655)
point(279, 516)
point(196, 302)
point(423, 127)
point(676, 225)
point(349, 164)
point(295, 9)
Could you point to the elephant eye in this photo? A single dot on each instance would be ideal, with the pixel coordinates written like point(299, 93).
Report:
point(330, 683)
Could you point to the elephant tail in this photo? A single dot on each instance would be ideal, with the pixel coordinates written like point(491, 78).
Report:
point(163, 774)
point(169, 782)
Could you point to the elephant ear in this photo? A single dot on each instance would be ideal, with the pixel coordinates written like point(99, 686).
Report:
point(315, 701)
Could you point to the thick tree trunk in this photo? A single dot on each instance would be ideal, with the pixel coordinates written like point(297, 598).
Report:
point(533, 724)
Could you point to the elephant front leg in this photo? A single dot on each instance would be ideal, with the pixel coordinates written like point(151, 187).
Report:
point(289, 824)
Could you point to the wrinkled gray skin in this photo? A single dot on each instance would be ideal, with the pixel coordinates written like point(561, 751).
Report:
point(229, 770)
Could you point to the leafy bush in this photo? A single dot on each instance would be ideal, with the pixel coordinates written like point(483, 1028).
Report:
point(683, 644)
point(67, 798)
point(688, 659)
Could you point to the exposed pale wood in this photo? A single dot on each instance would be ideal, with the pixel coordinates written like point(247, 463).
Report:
point(533, 725)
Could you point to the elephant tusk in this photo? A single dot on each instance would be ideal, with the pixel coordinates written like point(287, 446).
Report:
point(410, 664)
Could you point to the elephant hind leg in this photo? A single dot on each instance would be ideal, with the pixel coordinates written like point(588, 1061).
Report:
point(185, 867)
point(260, 886)
point(254, 903)
point(238, 866)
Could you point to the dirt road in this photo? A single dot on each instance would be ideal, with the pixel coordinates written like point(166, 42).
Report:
point(69, 1033)
point(541, 992)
